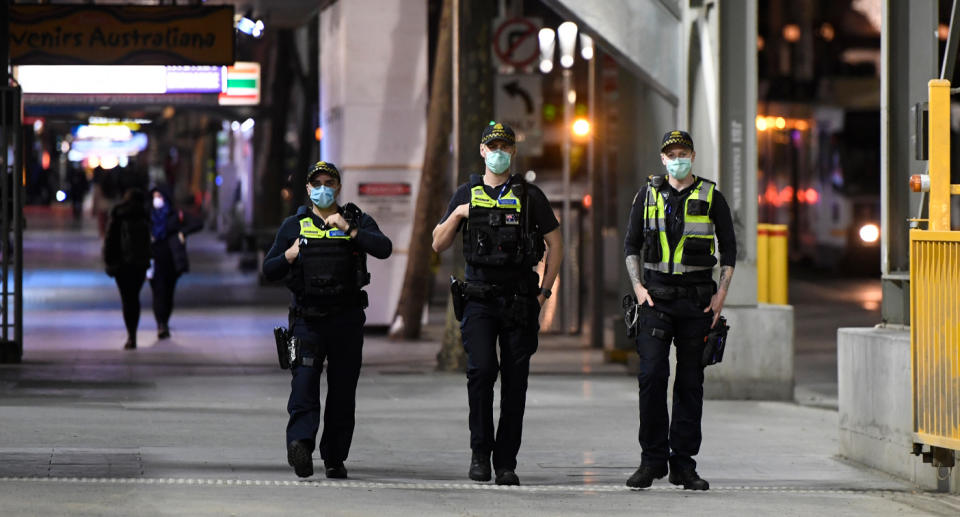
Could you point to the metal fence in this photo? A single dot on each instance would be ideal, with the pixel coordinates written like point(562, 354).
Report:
point(935, 336)
point(11, 225)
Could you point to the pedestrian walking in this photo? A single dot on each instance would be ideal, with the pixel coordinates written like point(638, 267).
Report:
point(126, 254)
point(169, 227)
point(669, 248)
point(508, 226)
point(321, 252)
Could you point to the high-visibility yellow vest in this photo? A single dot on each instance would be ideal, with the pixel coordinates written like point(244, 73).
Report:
point(495, 234)
point(695, 250)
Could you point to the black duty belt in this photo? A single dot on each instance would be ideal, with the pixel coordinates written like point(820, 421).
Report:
point(695, 292)
point(486, 291)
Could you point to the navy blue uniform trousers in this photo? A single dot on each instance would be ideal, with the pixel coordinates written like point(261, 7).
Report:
point(663, 440)
point(338, 340)
point(483, 325)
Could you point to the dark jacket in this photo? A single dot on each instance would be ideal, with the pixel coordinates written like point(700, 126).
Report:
point(370, 240)
point(170, 254)
point(126, 245)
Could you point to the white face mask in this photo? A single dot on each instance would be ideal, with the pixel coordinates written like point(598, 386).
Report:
point(158, 203)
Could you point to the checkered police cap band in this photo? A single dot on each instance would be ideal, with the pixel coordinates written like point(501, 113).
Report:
point(323, 168)
point(498, 131)
point(676, 137)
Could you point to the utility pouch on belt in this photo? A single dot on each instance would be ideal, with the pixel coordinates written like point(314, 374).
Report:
point(288, 348)
point(456, 291)
point(631, 314)
point(715, 342)
point(480, 291)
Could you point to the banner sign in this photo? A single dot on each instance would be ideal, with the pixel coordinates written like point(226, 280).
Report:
point(121, 35)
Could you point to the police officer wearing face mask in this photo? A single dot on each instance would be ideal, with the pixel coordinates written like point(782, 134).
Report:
point(505, 223)
point(321, 252)
point(669, 251)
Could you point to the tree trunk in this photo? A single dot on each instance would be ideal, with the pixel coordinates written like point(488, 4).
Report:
point(474, 98)
point(431, 196)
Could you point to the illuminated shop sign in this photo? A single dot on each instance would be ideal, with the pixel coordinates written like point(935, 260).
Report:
point(120, 79)
point(242, 85)
point(121, 35)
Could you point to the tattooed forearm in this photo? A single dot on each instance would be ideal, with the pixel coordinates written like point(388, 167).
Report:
point(726, 275)
point(634, 269)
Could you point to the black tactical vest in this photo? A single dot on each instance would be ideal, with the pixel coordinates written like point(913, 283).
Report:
point(498, 230)
point(332, 270)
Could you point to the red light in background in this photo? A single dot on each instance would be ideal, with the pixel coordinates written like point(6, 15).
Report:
point(786, 195)
point(813, 197)
point(45, 160)
point(318, 134)
point(587, 201)
point(772, 195)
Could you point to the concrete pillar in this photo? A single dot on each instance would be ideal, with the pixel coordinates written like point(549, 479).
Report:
point(373, 101)
point(908, 60)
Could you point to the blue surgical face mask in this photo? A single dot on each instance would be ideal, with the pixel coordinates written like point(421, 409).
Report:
point(322, 196)
point(497, 161)
point(679, 168)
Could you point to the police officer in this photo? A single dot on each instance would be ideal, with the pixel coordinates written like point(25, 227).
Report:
point(505, 221)
point(669, 251)
point(322, 252)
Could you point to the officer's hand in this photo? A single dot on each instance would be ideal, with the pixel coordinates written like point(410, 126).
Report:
point(293, 251)
point(642, 295)
point(462, 211)
point(336, 220)
point(716, 305)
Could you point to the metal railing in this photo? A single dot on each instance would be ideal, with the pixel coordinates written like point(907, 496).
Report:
point(935, 299)
point(11, 225)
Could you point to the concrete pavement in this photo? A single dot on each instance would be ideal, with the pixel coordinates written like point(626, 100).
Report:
point(195, 425)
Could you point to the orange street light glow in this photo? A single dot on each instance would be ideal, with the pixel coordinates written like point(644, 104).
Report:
point(581, 127)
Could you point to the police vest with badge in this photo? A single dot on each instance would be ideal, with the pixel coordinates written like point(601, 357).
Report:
point(332, 270)
point(695, 249)
point(498, 231)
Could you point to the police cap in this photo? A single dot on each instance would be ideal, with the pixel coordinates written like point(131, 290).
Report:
point(498, 131)
point(323, 168)
point(676, 137)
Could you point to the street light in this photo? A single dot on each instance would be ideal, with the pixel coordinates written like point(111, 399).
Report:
point(566, 36)
point(547, 43)
point(581, 127)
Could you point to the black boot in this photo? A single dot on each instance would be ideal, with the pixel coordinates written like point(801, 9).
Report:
point(300, 457)
point(163, 331)
point(507, 477)
point(335, 469)
point(131, 344)
point(689, 479)
point(645, 475)
point(480, 466)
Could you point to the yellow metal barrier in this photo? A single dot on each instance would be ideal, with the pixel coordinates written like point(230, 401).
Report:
point(935, 295)
point(935, 336)
point(763, 263)
point(772, 263)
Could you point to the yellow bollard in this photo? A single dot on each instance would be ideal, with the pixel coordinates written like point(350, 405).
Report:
point(763, 263)
point(777, 235)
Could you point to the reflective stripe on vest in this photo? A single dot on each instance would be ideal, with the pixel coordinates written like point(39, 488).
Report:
point(694, 227)
point(479, 198)
point(310, 231)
